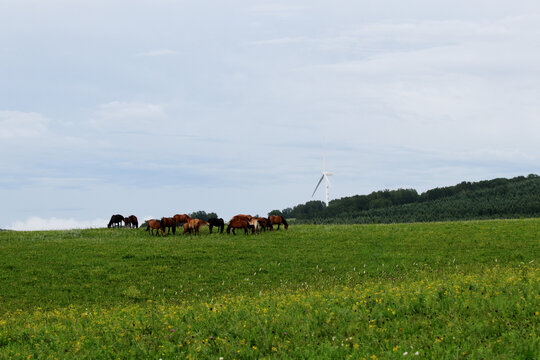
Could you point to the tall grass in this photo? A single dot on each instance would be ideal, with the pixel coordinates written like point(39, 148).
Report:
point(440, 290)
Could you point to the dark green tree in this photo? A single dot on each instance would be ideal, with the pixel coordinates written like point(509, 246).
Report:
point(203, 215)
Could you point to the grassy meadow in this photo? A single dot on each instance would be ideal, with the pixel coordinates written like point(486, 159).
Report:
point(427, 290)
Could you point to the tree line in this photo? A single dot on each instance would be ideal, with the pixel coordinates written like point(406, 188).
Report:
point(490, 199)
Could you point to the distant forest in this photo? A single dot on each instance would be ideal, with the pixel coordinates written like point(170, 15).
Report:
point(491, 199)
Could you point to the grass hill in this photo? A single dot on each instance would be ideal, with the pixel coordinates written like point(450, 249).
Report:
point(426, 290)
point(518, 197)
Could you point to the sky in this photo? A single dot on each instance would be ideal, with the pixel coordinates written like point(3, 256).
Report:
point(159, 107)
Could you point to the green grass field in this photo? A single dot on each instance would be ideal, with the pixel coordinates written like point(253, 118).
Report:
point(435, 290)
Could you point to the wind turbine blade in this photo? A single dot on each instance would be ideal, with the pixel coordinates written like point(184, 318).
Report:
point(316, 187)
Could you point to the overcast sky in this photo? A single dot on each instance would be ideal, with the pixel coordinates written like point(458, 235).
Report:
point(158, 107)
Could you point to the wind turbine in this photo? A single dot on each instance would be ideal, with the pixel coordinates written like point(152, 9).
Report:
point(325, 175)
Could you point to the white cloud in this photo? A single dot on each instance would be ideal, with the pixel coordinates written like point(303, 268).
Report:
point(37, 223)
point(126, 116)
point(17, 124)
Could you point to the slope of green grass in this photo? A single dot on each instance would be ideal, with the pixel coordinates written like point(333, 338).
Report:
point(444, 290)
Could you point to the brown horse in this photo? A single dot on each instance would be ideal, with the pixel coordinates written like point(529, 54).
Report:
point(155, 224)
point(241, 217)
point(181, 219)
point(169, 223)
point(134, 221)
point(115, 220)
point(278, 220)
point(127, 222)
point(193, 226)
point(238, 224)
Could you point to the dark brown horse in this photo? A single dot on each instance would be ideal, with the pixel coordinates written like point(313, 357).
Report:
point(278, 220)
point(217, 222)
point(264, 223)
point(116, 221)
point(238, 224)
point(133, 221)
point(157, 225)
point(169, 223)
point(193, 226)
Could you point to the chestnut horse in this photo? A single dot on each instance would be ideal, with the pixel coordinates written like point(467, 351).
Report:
point(238, 224)
point(278, 220)
point(193, 226)
point(217, 222)
point(169, 223)
point(181, 218)
point(241, 217)
point(115, 220)
point(156, 224)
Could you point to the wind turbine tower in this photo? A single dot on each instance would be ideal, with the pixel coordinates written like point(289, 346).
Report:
point(325, 175)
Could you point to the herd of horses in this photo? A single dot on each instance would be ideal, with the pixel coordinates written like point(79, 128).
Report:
point(130, 221)
point(192, 226)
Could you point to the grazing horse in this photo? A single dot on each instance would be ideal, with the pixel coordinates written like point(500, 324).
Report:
point(255, 226)
point(241, 217)
point(115, 219)
point(181, 219)
point(264, 223)
point(217, 222)
point(156, 224)
point(238, 224)
point(278, 220)
point(127, 222)
point(134, 221)
point(169, 223)
point(193, 226)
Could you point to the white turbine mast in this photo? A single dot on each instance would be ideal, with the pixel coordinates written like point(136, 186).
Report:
point(325, 175)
